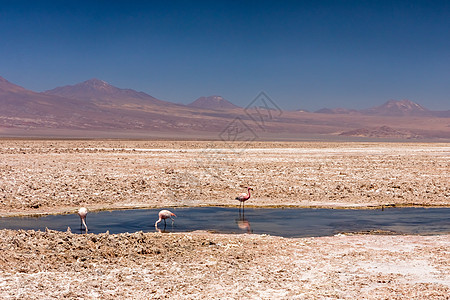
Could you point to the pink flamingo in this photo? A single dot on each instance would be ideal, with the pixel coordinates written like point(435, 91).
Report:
point(82, 212)
point(244, 197)
point(163, 215)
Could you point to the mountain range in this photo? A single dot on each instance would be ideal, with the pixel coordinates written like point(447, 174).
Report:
point(94, 108)
point(390, 108)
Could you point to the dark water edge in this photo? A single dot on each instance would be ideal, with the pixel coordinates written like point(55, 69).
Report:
point(304, 222)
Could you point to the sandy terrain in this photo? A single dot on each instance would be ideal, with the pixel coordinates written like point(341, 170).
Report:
point(39, 177)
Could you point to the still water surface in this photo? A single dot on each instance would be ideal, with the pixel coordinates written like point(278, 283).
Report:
point(281, 222)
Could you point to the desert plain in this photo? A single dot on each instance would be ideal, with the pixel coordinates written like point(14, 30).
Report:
point(41, 177)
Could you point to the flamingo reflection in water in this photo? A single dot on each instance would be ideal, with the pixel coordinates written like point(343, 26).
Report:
point(242, 222)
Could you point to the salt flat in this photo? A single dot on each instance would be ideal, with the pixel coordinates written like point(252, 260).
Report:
point(59, 176)
point(41, 177)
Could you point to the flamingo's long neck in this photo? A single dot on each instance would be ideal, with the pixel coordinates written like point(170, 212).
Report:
point(248, 194)
point(84, 223)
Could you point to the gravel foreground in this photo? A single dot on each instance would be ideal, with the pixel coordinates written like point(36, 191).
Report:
point(42, 177)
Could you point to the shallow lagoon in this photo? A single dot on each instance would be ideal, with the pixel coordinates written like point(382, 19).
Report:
point(281, 222)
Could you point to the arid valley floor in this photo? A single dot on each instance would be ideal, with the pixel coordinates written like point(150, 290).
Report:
point(59, 176)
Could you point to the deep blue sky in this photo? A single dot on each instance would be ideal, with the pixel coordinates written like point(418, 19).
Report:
point(304, 54)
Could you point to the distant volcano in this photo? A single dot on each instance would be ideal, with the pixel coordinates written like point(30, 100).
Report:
point(398, 108)
point(213, 102)
point(99, 91)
